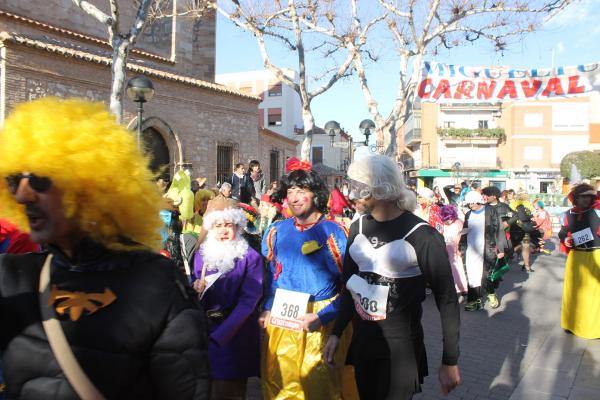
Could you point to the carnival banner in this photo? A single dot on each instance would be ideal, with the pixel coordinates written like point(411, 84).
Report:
point(447, 83)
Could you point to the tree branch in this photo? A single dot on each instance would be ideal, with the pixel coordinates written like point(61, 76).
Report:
point(140, 19)
point(94, 11)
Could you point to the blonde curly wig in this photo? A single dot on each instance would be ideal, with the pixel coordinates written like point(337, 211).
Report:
point(105, 180)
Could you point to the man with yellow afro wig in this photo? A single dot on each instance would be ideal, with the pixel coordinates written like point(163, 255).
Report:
point(76, 180)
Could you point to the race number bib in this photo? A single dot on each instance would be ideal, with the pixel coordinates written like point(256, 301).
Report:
point(582, 236)
point(288, 308)
point(210, 279)
point(370, 301)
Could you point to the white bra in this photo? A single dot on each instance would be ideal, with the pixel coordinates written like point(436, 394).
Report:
point(396, 259)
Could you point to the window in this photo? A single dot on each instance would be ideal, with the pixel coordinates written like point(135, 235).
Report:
point(483, 124)
point(570, 117)
point(224, 162)
point(499, 184)
point(317, 155)
point(274, 165)
point(533, 153)
point(448, 124)
point(275, 90)
point(274, 117)
point(246, 89)
point(533, 120)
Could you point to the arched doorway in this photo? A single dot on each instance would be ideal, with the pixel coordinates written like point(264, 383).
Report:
point(156, 147)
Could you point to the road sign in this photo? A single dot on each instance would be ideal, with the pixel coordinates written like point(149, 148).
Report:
point(341, 145)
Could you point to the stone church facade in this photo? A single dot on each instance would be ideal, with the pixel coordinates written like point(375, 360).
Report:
point(51, 47)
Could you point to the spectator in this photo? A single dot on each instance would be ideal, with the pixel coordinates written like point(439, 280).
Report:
point(239, 181)
point(452, 193)
point(225, 190)
point(255, 184)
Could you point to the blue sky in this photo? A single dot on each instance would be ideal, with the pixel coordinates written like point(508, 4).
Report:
point(574, 35)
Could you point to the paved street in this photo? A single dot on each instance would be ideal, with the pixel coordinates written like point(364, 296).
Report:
point(518, 351)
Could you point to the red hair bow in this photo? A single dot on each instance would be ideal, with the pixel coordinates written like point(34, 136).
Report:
point(294, 164)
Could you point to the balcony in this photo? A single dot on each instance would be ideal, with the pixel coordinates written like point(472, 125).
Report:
point(492, 107)
point(413, 136)
point(477, 161)
point(464, 134)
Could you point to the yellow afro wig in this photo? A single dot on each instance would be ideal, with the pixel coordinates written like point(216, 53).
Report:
point(105, 180)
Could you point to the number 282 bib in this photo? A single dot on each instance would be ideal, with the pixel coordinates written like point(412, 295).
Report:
point(370, 300)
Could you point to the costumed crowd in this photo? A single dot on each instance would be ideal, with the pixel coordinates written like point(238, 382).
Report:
point(115, 285)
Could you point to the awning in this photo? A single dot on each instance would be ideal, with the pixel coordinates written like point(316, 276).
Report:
point(437, 173)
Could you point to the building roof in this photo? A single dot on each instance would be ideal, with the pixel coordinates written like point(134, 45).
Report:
point(102, 60)
point(271, 133)
point(325, 170)
point(78, 35)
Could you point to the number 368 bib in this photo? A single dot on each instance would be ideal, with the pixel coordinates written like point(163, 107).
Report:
point(288, 309)
point(370, 301)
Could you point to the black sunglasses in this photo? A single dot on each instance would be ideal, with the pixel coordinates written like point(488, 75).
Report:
point(40, 184)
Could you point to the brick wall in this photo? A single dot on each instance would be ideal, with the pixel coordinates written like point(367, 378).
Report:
point(197, 118)
point(186, 45)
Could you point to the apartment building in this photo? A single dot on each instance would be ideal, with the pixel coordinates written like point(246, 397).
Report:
point(280, 111)
point(510, 145)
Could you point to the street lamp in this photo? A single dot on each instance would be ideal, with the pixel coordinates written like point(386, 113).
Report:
point(526, 168)
point(140, 90)
point(332, 128)
point(456, 167)
point(365, 128)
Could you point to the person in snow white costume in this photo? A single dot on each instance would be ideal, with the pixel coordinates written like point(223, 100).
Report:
point(304, 255)
point(580, 237)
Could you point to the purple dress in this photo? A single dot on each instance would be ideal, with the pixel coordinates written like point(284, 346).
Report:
point(233, 347)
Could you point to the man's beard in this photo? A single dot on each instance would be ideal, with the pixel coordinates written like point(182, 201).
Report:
point(221, 255)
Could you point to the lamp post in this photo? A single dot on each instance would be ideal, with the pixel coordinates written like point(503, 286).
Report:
point(456, 167)
point(140, 90)
point(526, 168)
point(332, 128)
point(365, 128)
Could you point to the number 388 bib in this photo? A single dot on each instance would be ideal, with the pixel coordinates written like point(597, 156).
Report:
point(370, 301)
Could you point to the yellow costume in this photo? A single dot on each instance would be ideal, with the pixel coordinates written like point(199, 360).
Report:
point(580, 230)
point(286, 374)
point(307, 261)
point(581, 294)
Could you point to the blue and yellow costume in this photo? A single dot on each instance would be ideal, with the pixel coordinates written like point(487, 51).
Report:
point(307, 261)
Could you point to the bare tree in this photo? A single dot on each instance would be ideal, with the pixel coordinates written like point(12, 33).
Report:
point(283, 24)
point(120, 41)
point(419, 29)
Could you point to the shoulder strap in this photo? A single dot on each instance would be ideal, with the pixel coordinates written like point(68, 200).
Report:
point(360, 223)
point(414, 228)
point(78, 379)
point(186, 264)
point(4, 245)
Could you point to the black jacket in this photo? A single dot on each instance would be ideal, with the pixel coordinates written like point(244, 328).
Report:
point(495, 238)
point(239, 187)
point(506, 213)
point(149, 343)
